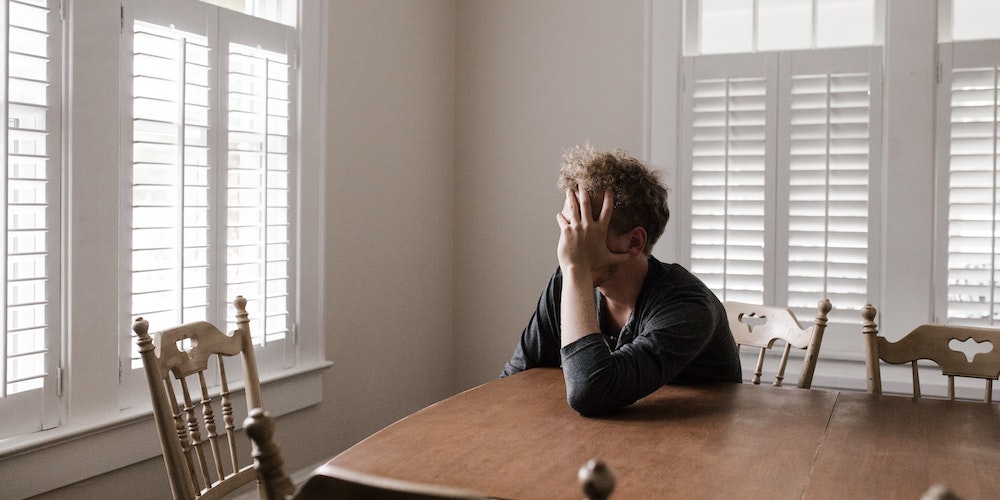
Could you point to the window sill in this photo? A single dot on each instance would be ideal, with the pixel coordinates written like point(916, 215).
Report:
point(63, 450)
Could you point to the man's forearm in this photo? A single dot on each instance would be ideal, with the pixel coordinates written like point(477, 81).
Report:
point(577, 309)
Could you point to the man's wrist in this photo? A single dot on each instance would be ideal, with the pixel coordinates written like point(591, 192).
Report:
point(576, 270)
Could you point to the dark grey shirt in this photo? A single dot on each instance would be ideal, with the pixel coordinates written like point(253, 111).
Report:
point(678, 333)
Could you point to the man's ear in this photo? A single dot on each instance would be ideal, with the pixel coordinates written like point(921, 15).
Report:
point(637, 240)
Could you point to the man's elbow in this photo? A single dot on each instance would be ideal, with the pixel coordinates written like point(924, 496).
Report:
point(588, 402)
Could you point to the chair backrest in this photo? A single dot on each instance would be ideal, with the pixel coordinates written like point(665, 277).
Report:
point(177, 362)
point(759, 326)
point(935, 343)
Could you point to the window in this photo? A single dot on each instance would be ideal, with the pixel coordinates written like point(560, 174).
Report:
point(211, 176)
point(214, 148)
point(31, 293)
point(741, 26)
point(779, 158)
point(779, 151)
point(971, 20)
point(279, 11)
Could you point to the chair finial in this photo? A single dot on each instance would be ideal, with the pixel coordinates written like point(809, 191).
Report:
point(596, 479)
point(824, 306)
point(142, 337)
point(267, 455)
point(140, 327)
point(939, 491)
point(868, 314)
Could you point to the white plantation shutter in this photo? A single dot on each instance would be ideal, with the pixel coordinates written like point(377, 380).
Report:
point(969, 155)
point(779, 158)
point(30, 346)
point(258, 183)
point(171, 178)
point(260, 89)
point(828, 163)
point(730, 119)
point(211, 184)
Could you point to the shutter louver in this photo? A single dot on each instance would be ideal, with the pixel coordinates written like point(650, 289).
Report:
point(780, 168)
point(170, 176)
point(828, 191)
point(29, 209)
point(258, 186)
point(972, 196)
point(728, 186)
point(30, 345)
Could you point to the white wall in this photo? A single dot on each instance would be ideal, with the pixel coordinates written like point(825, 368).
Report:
point(390, 291)
point(534, 77)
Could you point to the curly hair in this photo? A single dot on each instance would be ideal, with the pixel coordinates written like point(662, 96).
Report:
point(640, 197)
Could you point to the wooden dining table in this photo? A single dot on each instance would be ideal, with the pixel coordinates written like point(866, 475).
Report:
point(517, 437)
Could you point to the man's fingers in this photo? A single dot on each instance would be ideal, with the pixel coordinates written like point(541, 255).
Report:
point(586, 213)
point(571, 209)
point(562, 220)
point(607, 206)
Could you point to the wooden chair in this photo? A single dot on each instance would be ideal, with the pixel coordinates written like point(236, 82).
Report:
point(934, 343)
point(267, 459)
point(760, 326)
point(200, 464)
point(328, 481)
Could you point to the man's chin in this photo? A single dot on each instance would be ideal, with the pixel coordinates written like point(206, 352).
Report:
point(605, 275)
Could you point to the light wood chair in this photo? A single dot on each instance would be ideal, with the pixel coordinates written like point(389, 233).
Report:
point(934, 343)
point(760, 326)
point(200, 463)
point(267, 459)
point(328, 481)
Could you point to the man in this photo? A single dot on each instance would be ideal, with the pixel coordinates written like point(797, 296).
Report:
point(620, 322)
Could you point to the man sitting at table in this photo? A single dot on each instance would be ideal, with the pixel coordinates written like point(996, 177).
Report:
point(620, 322)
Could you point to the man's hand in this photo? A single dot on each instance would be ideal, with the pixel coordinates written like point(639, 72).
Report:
point(583, 257)
point(583, 238)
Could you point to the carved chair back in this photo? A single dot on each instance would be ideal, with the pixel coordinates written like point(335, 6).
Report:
point(197, 437)
point(759, 326)
point(959, 351)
